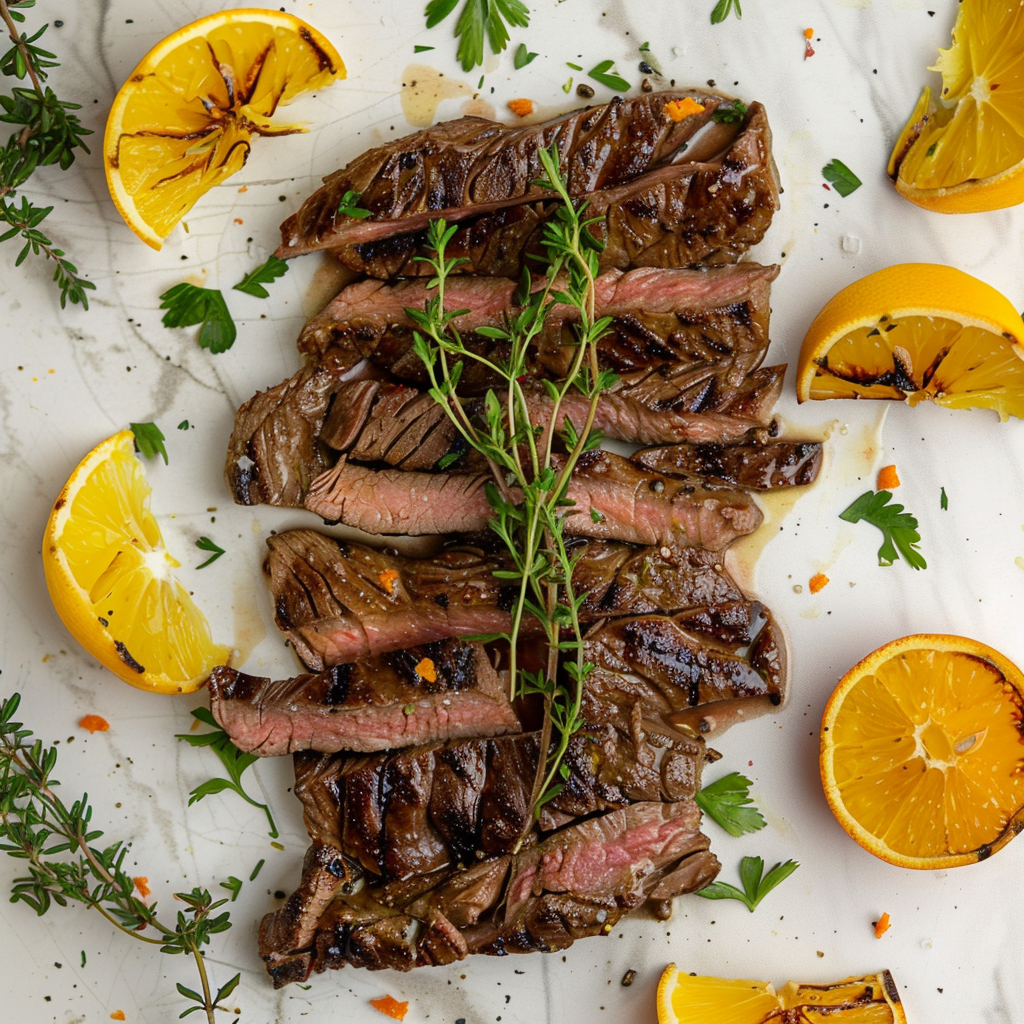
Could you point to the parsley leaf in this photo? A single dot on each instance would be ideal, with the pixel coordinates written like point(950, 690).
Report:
point(899, 528)
point(522, 57)
point(724, 8)
point(349, 206)
point(841, 178)
point(188, 304)
point(477, 19)
point(205, 544)
point(727, 801)
point(606, 74)
point(729, 113)
point(230, 756)
point(149, 440)
point(253, 282)
point(755, 888)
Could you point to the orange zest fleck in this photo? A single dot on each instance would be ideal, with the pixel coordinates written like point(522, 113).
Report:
point(887, 478)
point(390, 1007)
point(142, 884)
point(881, 926)
point(117, 1015)
point(808, 33)
point(818, 582)
point(94, 723)
point(238, 220)
point(244, 188)
point(427, 670)
point(678, 109)
point(521, 108)
point(387, 579)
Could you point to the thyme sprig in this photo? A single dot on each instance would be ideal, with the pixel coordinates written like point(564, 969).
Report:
point(48, 132)
point(65, 864)
point(529, 481)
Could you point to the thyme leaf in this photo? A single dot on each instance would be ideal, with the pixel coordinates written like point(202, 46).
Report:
point(723, 9)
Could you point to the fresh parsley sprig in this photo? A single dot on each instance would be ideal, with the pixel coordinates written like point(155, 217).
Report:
point(188, 305)
point(727, 801)
point(265, 273)
point(234, 760)
point(477, 19)
point(529, 480)
point(47, 132)
point(899, 528)
point(149, 440)
point(755, 887)
point(65, 863)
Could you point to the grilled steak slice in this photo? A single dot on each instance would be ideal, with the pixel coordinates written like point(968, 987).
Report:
point(667, 669)
point(472, 165)
point(576, 883)
point(373, 705)
point(758, 464)
point(412, 812)
point(616, 500)
point(709, 208)
point(340, 602)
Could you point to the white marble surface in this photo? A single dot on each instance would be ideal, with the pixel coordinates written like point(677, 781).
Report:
point(69, 378)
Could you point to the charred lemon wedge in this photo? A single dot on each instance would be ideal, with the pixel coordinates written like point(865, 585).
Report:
point(185, 119)
point(111, 580)
point(692, 999)
point(914, 332)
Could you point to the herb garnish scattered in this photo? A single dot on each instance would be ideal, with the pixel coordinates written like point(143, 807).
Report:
point(943, 500)
point(256, 870)
point(188, 305)
point(233, 759)
point(729, 113)
point(529, 480)
point(727, 801)
point(841, 178)
point(477, 19)
point(47, 133)
point(149, 440)
point(233, 886)
point(183, 425)
point(205, 544)
point(755, 888)
point(899, 528)
point(266, 273)
point(65, 864)
point(724, 8)
point(421, 49)
point(522, 57)
point(349, 206)
point(606, 74)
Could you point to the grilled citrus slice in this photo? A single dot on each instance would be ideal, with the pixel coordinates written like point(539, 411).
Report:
point(111, 578)
point(922, 751)
point(917, 331)
point(690, 999)
point(966, 153)
point(184, 120)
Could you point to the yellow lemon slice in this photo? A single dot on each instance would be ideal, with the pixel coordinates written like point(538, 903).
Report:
point(966, 154)
point(692, 999)
point(917, 331)
point(111, 578)
point(921, 751)
point(185, 119)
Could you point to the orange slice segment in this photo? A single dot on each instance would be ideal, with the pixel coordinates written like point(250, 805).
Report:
point(914, 332)
point(922, 751)
point(185, 119)
point(111, 580)
point(692, 999)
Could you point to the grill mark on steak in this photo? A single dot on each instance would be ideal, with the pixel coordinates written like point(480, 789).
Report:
point(472, 165)
point(629, 504)
point(380, 704)
point(577, 882)
point(709, 208)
